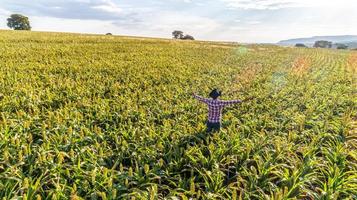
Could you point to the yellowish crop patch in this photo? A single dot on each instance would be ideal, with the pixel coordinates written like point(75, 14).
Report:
point(352, 63)
point(247, 75)
point(301, 66)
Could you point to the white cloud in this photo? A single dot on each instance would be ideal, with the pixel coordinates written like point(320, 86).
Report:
point(162, 23)
point(261, 4)
point(253, 22)
point(68, 9)
point(256, 20)
point(183, 1)
point(109, 6)
point(4, 12)
point(280, 4)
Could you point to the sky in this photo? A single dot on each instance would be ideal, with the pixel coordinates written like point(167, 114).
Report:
point(257, 21)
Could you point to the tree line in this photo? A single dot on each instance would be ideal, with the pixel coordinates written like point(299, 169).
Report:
point(180, 35)
point(324, 44)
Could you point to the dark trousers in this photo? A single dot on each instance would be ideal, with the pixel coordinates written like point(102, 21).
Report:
point(213, 126)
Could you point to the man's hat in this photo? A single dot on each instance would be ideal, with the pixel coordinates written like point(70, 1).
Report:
point(215, 93)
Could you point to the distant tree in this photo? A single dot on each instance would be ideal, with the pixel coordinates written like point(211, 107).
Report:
point(323, 44)
point(108, 34)
point(300, 45)
point(341, 46)
point(188, 37)
point(18, 22)
point(177, 34)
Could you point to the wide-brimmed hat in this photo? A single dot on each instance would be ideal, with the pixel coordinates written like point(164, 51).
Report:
point(215, 93)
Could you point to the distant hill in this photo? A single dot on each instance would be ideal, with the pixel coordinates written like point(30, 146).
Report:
point(351, 45)
point(350, 40)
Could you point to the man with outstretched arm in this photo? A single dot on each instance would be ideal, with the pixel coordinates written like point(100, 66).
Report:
point(215, 107)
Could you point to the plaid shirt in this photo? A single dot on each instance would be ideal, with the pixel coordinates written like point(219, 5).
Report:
point(215, 107)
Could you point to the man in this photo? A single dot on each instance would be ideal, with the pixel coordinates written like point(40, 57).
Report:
point(215, 107)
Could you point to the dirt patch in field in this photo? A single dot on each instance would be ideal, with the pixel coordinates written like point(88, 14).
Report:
point(301, 66)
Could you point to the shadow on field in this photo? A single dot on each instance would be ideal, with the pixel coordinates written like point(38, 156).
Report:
point(197, 138)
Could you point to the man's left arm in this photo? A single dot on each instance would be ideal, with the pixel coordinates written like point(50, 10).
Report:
point(230, 102)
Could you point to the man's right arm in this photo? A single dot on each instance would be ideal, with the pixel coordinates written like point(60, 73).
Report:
point(204, 100)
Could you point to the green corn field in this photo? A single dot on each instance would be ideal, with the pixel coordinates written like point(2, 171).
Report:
point(108, 117)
